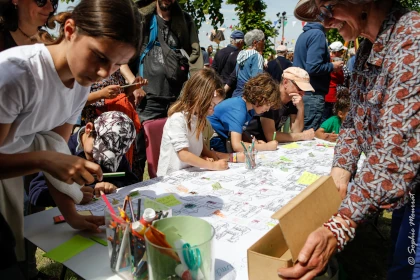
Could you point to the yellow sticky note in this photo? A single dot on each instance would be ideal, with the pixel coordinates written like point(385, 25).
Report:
point(169, 200)
point(307, 178)
point(293, 145)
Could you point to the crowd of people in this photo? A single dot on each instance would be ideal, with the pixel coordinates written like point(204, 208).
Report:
point(73, 107)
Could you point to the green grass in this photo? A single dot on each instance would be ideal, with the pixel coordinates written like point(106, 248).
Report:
point(364, 258)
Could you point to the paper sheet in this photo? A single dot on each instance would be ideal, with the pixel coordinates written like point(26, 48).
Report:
point(239, 202)
point(69, 249)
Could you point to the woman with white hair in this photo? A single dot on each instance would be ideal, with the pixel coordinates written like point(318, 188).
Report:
point(250, 61)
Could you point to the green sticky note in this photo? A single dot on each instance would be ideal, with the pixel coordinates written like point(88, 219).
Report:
point(283, 158)
point(307, 178)
point(293, 145)
point(148, 203)
point(69, 249)
point(169, 200)
point(134, 194)
point(216, 186)
point(99, 240)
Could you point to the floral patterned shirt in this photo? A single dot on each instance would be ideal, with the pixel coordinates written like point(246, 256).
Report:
point(384, 119)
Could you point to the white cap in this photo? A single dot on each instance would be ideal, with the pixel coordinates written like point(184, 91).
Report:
point(137, 226)
point(149, 215)
point(337, 46)
point(281, 48)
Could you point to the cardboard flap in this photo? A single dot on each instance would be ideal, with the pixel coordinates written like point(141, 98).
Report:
point(307, 211)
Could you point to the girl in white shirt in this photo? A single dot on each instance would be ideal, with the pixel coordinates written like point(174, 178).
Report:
point(182, 139)
point(44, 88)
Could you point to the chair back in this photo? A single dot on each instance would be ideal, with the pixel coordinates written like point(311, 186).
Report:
point(153, 130)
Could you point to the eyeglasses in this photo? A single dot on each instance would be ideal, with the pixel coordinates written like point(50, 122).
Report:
point(325, 13)
point(42, 3)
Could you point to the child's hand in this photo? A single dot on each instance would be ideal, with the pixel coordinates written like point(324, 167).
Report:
point(81, 222)
point(87, 194)
point(105, 187)
point(332, 137)
point(261, 142)
point(110, 91)
point(272, 145)
point(308, 134)
point(220, 165)
point(138, 80)
point(208, 159)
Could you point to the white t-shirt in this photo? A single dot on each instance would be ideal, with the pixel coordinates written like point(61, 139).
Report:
point(32, 96)
point(176, 137)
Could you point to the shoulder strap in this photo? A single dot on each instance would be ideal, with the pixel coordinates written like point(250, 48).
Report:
point(279, 64)
point(152, 39)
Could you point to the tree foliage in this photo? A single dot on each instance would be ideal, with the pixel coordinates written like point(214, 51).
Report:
point(199, 8)
point(251, 14)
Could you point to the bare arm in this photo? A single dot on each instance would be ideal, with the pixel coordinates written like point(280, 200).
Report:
point(236, 139)
point(193, 160)
point(127, 74)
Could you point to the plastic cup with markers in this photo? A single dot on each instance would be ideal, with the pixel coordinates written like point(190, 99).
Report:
point(180, 248)
point(125, 228)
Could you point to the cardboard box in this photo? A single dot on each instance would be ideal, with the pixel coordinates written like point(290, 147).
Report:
point(306, 212)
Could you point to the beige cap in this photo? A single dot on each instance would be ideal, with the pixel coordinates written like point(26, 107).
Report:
point(299, 76)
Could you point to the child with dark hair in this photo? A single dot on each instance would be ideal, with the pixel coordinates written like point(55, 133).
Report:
point(331, 127)
point(230, 117)
point(105, 142)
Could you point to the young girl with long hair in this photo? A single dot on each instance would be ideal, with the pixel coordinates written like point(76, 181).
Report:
point(44, 88)
point(182, 139)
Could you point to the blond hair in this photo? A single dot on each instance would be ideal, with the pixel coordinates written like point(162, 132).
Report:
point(196, 97)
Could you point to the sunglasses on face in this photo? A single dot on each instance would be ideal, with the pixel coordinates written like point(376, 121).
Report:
point(325, 12)
point(42, 3)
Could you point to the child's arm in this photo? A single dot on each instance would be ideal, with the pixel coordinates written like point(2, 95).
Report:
point(240, 157)
point(268, 127)
point(321, 134)
point(193, 160)
point(66, 206)
point(108, 92)
point(236, 139)
point(127, 74)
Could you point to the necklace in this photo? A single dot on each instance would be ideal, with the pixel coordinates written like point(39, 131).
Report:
point(26, 35)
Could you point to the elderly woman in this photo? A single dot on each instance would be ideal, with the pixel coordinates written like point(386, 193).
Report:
point(250, 61)
point(383, 122)
point(20, 21)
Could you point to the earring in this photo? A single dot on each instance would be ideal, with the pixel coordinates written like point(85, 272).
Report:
point(364, 15)
point(15, 6)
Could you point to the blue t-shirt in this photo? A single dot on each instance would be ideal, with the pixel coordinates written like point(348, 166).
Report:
point(230, 115)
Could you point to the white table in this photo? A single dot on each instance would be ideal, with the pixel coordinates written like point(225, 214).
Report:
point(239, 207)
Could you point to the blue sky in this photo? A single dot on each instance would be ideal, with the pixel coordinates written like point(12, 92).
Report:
point(291, 31)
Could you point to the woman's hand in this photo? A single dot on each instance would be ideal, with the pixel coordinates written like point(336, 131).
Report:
point(314, 256)
point(220, 164)
point(70, 169)
point(106, 187)
point(110, 91)
point(341, 179)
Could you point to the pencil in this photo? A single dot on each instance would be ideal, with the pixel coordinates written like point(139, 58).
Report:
point(274, 135)
point(126, 86)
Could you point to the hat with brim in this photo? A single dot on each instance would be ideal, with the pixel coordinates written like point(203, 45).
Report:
point(300, 77)
point(305, 12)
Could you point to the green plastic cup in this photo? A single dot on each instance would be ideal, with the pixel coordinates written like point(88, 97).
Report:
point(191, 240)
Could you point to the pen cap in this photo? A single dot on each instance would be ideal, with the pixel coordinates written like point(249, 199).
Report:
point(138, 227)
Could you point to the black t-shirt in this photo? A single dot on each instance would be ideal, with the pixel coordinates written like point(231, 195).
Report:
point(159, 94)
point(279, 116)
